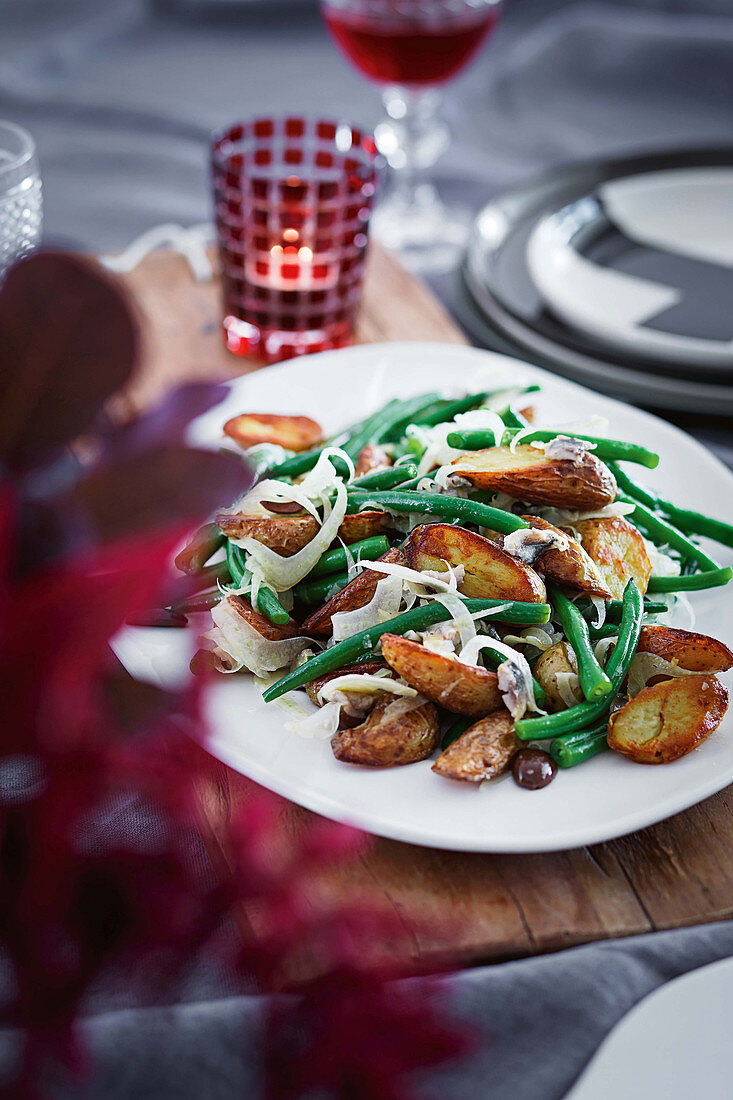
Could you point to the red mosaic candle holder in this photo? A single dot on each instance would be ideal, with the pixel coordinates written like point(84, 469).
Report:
point(292, 203)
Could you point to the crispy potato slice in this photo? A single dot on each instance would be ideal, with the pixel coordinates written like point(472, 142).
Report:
point(667, 720)
point(556, 662)
point(460, 688)
point(287, 535)
point(695, 652)
point(491, 573)
point(356, 526)
point(357, 593)
point(484, 751)
point(295, 433)
point(363, 668)
point(261, 624)
point(527, 473)
point(568, 563)
point(371, 457)
point(618, 550)
point(396, 732)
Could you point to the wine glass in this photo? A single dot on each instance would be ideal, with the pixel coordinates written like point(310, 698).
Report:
point(20, 195)
point(412, 48)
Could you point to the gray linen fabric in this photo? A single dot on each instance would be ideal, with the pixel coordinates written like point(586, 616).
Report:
point(121, 96)
point(537, 1023)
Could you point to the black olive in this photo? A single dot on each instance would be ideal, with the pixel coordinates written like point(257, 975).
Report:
point(533, 769)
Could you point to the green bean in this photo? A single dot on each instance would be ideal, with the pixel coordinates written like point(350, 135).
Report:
point(712, 578)
point(603, 448)
point(476, 439)
point(608, 630)
point(269, 605)
point(594, 682)
point(385, 479)
point(513, 418)
point(440, 504)
point(204, 544)
point(406, 412)
point(418, 618)
point(686, 519)
point(582, 715)
point(440, 412)
point(614, 609)
point(312, 593)
point(664, 534)
point(459, 724)
point(336, 560)
point(201, 601)
point(267, 602)
point(573, 748)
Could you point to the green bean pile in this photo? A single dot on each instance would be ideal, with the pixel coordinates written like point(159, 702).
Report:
point(404, 488)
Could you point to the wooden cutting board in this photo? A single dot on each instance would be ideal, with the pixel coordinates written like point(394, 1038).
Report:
point(453, 907)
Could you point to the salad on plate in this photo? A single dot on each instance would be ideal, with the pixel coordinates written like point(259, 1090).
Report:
point(450, 582)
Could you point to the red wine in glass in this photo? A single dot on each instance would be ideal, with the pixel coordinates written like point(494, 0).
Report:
point(414, 44)
point(412, 48)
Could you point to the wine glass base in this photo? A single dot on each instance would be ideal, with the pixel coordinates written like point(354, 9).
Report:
point(428, 235)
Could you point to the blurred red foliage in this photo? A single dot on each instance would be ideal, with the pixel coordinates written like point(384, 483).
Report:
point(97, 781)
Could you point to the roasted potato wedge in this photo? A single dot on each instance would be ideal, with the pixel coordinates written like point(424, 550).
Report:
point(261, 624)
point(364, 668)
point(555, 662)
point(484, 751)
point(356, 526)
point(371, 457)
point(695, 652)
point(618, 551)
point(295, 433)
point(491, 573)
point(460, 688)
point(357, 593)
point(667, 720)
point(527, 473)
point(568, 563)
point(395, 732)
point(287, 535)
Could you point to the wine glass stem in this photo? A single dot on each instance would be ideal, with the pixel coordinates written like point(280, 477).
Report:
point(412, 137)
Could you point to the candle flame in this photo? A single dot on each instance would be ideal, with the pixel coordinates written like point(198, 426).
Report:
point(305, 253)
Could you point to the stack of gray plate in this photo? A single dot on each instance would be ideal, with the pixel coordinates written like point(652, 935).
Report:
point(616, 273)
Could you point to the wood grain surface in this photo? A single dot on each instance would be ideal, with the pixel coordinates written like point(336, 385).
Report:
point(453, 907)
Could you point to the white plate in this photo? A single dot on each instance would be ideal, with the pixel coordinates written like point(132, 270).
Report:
point(684, 211)
point(604, 798)
point(674, 1044)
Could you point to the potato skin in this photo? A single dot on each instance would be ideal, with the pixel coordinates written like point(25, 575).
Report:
point(554, 660)
point(695, 652)
point(357, 593)
point(260, 623)
point(286, 535)
point(393, 734)
point(295, 433)
point(618, 551)
point(491, 573)
point(527, 473)
point(356, 526)
point(459, 688)
point(371, 457)
point(364, 668)
point(484, 751)
point(570, 566)
point(669, 719)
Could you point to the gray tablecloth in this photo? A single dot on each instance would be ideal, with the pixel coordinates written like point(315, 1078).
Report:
point(121, 97)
